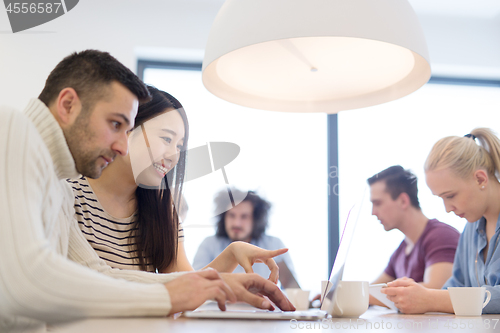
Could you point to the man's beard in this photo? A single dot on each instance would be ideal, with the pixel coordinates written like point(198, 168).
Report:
point(79, 138)
point(238, 235)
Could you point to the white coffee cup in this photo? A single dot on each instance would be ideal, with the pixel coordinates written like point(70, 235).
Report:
point(468, 301)
point(351, 299)
point(298, 297)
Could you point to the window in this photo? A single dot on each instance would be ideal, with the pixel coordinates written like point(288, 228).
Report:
point(282, 156)
point(403, 132)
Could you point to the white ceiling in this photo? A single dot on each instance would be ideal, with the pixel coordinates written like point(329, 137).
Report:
point(460, 8)
point(485, 9)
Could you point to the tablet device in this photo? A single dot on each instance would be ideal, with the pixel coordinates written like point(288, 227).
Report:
point(375, 292)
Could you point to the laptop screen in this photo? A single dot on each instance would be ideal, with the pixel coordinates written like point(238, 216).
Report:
point(344, 244)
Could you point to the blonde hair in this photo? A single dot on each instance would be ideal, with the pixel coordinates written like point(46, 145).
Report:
point(464, 156)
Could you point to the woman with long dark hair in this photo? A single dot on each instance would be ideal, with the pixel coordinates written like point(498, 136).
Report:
point(129, 215)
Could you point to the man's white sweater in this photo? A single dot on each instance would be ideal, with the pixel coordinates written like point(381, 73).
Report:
point(48, 271)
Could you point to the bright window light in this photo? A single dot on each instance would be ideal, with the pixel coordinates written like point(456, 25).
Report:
point(282, 157)
point(403, 132)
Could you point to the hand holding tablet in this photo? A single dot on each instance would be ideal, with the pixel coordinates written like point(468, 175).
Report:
point(375, 292)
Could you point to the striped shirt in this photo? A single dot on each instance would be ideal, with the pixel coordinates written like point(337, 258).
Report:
point(109, 236)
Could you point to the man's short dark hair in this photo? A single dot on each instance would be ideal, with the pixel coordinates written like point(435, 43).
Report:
point(397, 181)
point(89, 73)
point(261, 208)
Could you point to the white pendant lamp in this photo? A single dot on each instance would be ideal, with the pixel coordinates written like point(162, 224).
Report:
point(315, 55)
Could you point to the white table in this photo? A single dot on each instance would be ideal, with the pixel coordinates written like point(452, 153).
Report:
point(375, 319)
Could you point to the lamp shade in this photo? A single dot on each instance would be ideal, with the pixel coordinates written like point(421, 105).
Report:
point(315, 55)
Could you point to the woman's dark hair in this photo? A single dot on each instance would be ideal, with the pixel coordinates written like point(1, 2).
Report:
point(157, 224)
point(261, 208)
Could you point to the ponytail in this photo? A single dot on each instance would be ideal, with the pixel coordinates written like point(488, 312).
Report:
point(464, 156)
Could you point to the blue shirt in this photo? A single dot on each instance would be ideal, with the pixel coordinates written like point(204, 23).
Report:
point(466, 273)
point(212, 246)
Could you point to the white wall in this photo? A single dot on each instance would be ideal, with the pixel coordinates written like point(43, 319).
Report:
point(26, 58)
point(461, 46)
point(121, 26)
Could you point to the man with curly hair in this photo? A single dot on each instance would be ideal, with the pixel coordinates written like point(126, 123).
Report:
point(244, 222)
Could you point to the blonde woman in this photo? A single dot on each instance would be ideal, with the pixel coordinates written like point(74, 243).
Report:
point(464, 172)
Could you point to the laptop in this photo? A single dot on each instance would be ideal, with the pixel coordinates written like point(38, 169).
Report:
point(210, 310)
